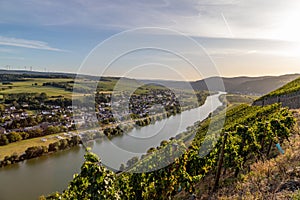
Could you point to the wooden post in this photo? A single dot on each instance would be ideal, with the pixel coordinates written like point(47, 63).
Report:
point(269, 149)
point(220, 163)
point(262, 143)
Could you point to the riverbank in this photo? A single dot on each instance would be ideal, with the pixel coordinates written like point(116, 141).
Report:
point(37, 151)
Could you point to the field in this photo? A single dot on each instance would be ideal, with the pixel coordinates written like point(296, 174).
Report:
point(239, 99)
point(125, 84)
point(35, 85)
point(105, 85)
point(20, 147)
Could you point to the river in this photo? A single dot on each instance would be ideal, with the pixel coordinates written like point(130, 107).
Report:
point(44, 175)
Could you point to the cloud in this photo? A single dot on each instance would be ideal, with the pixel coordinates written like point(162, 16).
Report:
point(32, 44)
point(218, 18)
point(235, 47)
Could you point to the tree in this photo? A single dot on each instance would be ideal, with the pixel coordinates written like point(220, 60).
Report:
point(2, 108)
point(132, 161)
point(54, 146)
point(24, 135)
point(43, 96)
point(35, 151)
point(3, 140)
point(52, 129)
point(14, 137)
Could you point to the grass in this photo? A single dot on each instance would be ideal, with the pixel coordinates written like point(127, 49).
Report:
point(105, 85)
point(20, 147)
point(116, 84)
point(266, 178)
point(236, 99)
point(28, 86)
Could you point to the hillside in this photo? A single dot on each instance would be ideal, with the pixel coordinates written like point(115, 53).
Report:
point(288, 95)
point(246, 85)
point(241, 85)
point(289, 88)
point(276, 178)
point(251, 134)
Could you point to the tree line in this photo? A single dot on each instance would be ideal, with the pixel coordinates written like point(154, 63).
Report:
point(36, 151)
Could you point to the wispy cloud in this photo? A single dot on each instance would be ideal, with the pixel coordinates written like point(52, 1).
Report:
point(32, 44)
point(269, 48)
point(247, 19)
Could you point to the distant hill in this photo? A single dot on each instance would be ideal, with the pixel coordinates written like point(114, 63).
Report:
point(246, 85)
point(19, 74)
point(239, 85)
point(27, 72)
point(287, 89)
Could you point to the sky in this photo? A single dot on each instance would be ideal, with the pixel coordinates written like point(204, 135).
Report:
point(157, 39)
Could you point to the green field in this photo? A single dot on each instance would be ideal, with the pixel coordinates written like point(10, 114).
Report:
point(35, 85)
point(125, 84)
point(20, 147)
point(105, 85)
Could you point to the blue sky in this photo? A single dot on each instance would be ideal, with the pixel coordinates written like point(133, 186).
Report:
point(242, 37)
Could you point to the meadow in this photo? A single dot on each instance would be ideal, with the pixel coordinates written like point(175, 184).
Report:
point(35, 85)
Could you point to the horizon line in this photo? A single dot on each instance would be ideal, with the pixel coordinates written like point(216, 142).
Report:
point(145, 79)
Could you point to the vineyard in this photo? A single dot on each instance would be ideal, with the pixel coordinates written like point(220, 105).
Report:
point(291, 87)
point(250, 134)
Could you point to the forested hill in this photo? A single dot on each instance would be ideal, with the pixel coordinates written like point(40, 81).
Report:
point(288, 95)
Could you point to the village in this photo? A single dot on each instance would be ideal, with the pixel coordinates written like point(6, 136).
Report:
point(19, 120)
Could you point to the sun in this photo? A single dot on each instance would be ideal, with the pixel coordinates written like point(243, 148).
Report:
point(288, 26)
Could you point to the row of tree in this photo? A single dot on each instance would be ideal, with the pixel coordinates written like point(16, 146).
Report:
point(36, 151)
point(32, 133)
